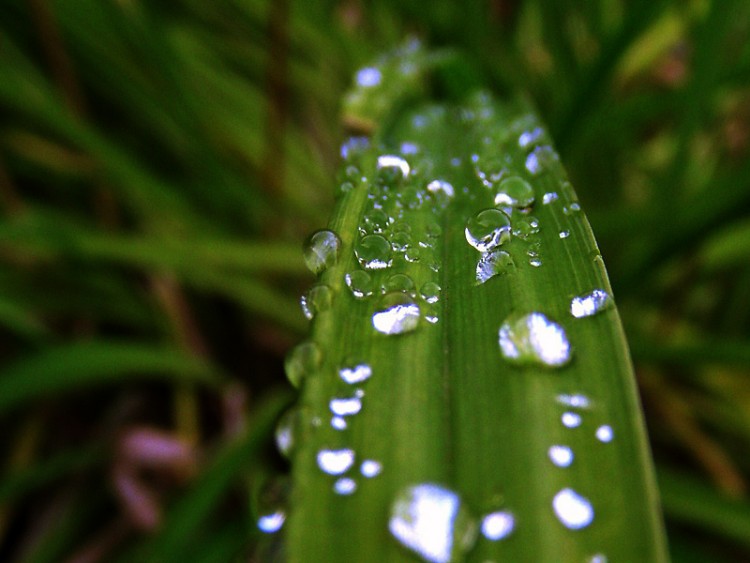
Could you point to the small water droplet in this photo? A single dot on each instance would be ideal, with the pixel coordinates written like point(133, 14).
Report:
point(318, 299)
point(430, 292)
point(572, 209)
point(286, 431)
point(355, 374)
point(398, 282)
point(590, 303)
point(549, 197)
point(392, 168)
point(573, 510)
point(498, 525)
point(488, 229)
point(526, 227)
point(370, 468)
point(514, 192)
point(335, 462)
point(529, 138)
point(376, 221)
point(272, 523)
point(492, 264)
point(321, 250)
point(397, 314)
point(344, 486)
point(571, 419)
point(408, 148)
point(562, 456)
point(441, 188)
point(360, 284)
point(432, 522)
point(534, 339)
point(605, 433)
point(540, 159)
point(347, 406)
point(373, 252)
point(400, 242)
point(564, 234)
point(576, 400)
point(303, 360)
point(339, 423)
point(368, 77)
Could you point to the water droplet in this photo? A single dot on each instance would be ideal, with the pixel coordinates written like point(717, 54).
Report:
point(355, 374)
point(359, 283)
point(525, 228)
point(398, 282)
point(488, 229)
point(605, 434)
point(400, 242)
point(534, 339)
point(339, 423)
point(345, 406)
point(396, 314)
point(286, 431)
point(392, 168)
point(514, 192)
point(303, 360)
point(498, 525)
point(430, 292)
point(354, 146)
point(441, 188)
point(572, 209)
point(571, 419)
point(529, 138)
point(590, 303)
point(344, 486)
point(375, 221)
point(540, 159)
point(272, 523)
point(564, 234)
point(318, 299)
point(373, 252)
point(431, 521)
point(371, 468)
point(335, 462)
point(321, 250)
point(572, 509)
point(369, 77)
point(576, 400)
point(549, 197)
point(492, 264)
point(562, 456)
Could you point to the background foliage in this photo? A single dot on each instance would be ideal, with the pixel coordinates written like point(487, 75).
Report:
point(160, 163)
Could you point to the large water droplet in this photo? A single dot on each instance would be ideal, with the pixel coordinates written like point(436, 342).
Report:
point(335, 462)
point(398, 282)
point(534, 339)
point(355, 374)
point(432, 522)
point(397, 313)
point(562, 456)
point(318, 299)
point(303, 360)
point(572, 509)
point(488, 229)
point(321, 250)
point(514, 192)
point(590, 304)
point(492, 264)
point(373, 252)
point(498, 525)
point(430, 292)
point(392, 168)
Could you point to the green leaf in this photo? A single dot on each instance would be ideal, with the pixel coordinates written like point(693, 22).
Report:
point(73, 366)
point(491, 386)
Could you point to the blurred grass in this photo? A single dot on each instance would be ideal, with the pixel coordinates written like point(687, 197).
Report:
point(160, 162)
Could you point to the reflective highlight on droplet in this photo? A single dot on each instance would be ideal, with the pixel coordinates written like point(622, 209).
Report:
point(441, 188)
point(590, 303)
point(355, 374)
point(368, 77)
point(271, 523)
point(576, 400)
point(573, 510)
point(397, 314)
point(514, 192)
point(359, 283)
point(335, 462)
point(534, 339)
point(345, 407)
point(562, 456)
point(345, 486)
point(488, 229)
point(373, 252)
point(431, 521)
point(605, 433)
point(498, 525)
point(321, 250)
point(571, 419)
point(390, 162)
point(303, 360)
point(492, 264)
point(370, 468)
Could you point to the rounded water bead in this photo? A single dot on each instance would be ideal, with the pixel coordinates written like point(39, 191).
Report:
point(562, 456)
point(272, 523)
point(590, 303)
point(514, 192)
point(317, 299)
point(345, 486)
point(534, 339)
point(604, 433)
point(432, 522)
point(321, 250)
point(430, 292)
point(488, 229)
point(373, 252)
point(370, 468)
point(398, 282)
point(360, 283)
point(392, 168)
point(572, 509)
point(397, 314)
point(498, 525)
point(335, 462)
point(303, 360)
point(492, 264)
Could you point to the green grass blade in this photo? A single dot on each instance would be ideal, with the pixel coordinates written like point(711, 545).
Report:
point(444, 405)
